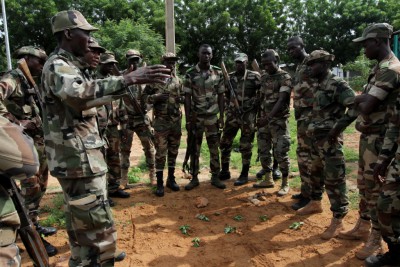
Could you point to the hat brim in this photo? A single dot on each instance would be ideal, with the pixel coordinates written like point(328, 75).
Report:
point(241, 59)
point(109, 61)
point(98, 48)
point(171, 58)
point(134, 56)
point(88, 27)
point(359, 39)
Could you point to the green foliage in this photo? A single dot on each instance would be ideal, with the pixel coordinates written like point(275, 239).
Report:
point(196, 242)
point(229, 229)
point(296, 225)
point(202, 217)
point(184, 229)
point(238, 218)
point(263, 218)
point(134, 175)
point(361, 66)
point(56, 216)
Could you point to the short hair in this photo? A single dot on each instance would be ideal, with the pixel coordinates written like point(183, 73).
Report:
point(205, 46)
point(296, 39)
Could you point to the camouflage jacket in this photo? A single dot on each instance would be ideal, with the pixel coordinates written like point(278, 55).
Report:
point(302, 93)
point(383, 83)
point(271, 86)
point(18, 103)
point(72, 140)
point(204, 88)
point(171, 109)
point(332, 97)
point(246, 88)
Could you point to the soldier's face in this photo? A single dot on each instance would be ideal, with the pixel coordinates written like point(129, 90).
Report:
point(170, 64)
point(205, 55)
point(35, 65)
point(270, 65)
point(294, 49)
point(92, 58)
point(371, 48)
point(317, 68)
point(240, 66)
point(79, 42)
point(107, 68)
point(134, 62)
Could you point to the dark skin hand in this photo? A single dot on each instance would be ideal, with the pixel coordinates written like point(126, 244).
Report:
point(380, 171)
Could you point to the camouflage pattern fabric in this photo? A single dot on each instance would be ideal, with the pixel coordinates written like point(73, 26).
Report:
point(246, 89)
point(276, 133)
point(167, 121)
point(302, 103)
point(74, 152)
point(332, 97)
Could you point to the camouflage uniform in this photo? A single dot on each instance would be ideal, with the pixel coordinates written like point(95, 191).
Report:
point(74, 147)
point(204, 91)
point(19, 160)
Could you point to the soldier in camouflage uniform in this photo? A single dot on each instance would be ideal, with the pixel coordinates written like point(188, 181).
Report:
point(138, 122)
point(376, 104)
point(73, 144)
point(332, 97)
point(18, 103)
point(273, 115)
point(204, 99)
point(166, 100)
point(302, 103)
point(246, 84)
point(19, 160)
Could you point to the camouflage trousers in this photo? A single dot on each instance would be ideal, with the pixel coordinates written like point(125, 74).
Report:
point(368, 187)
point(303, 152)
point(209, 126)
point(144, 132)
point(34, 188)
point(112, 157)
point(328, 168)
point(9, 223)
point(89, 221)
point(167, 138)
point(231, 128)
point(274, 135)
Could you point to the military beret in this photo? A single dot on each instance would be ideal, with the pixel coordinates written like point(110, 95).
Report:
point(169, 55)
point(71, 19)
point(319, 55)
point(377, 30)
point(132, 53)
point(241, 57)
point(107, 57)
point(30, 50)
point(94, 44)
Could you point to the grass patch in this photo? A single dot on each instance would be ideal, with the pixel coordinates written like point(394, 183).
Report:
point(354, 199)
point(134, 175)
point(56, 217)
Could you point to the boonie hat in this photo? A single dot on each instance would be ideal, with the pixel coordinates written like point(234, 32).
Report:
point(70, 19)
point(377, 30)
point(94, 44)
point(132, 53)
point(107, 57)
point(319, 55)
point(30, 50)
point(169, 55)
point(241, 57)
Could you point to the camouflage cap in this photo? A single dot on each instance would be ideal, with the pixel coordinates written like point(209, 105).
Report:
point(241, 57)
point(30, 50)
point(132, 53)
point(377, 30)
point(170, 56)
point(70, 19)
point(107, 57)
point(319, 55)
point(95, 45)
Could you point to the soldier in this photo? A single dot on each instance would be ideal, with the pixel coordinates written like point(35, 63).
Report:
point(138, 122)
point(302, 103)
point(332, 97)
point(375, 105)
point(246, 84)
point(18, 103)
point(73, 144)
point(166, 100)
point(19, 160)
point(204, 99)
point(273, 115)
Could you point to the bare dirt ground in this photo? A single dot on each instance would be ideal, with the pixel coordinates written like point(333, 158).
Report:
point(149, 228)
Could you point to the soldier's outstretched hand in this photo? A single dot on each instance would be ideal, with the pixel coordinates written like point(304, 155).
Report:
point(150, 74)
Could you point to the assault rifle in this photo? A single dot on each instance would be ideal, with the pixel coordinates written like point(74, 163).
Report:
point(191, 150)
point(233, 97)
point(29, 236)
point(25, 70)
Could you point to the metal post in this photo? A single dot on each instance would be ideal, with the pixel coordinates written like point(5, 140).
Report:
point(3, 9)
point(169, 26)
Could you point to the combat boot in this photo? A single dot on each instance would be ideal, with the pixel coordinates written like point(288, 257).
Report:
point(301, 203)
point(244, 176)
point(171, 184)
point(359, 232)
point(45, 231)
point(225, 174)
point(314, 206)
point(152, 177)
point(119, 255)
point(373, 245)
point(333, 229)
point(276, 173)
point(266, 182)
point(124, 179)
point(215, 181)
point(160, 184)
point(284, 187)
point(50, 249)
point(390, 258)
point(193, 183)
point(261, 173)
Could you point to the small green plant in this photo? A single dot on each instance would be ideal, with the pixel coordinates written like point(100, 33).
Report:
point(263, 218)
point(238, 218)
point(134, 175)
point(229, 229)
point(203, 217)
point(196, 242)
point(56, 215)
point(296, 225)
point(184, 229)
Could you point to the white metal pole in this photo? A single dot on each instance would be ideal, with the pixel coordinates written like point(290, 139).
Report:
point(169, 26)
point(3, 9)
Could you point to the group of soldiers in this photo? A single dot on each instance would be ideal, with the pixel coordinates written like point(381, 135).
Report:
point(84, 99)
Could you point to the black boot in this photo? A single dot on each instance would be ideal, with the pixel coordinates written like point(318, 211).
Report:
point(50, 249)
point(390, 258)
point(160, 184)
point(225, 173)
point(193, 183)
point(43, 230)
point(171, 184)
point(301, 203)
point(244, 176)
point(260, 174)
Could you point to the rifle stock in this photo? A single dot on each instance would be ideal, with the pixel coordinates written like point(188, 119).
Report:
point(233, 97)
point(23, 66)
point(255, 66)
point(27, 232)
